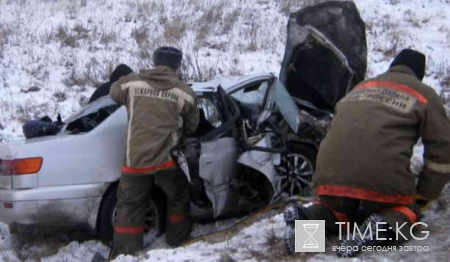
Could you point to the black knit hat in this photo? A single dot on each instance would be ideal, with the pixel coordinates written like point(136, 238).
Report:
point(121, 70)
point(167, 56)
point(412, 59)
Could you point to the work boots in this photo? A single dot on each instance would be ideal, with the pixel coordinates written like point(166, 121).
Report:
point(368, 229)
point(292, 212)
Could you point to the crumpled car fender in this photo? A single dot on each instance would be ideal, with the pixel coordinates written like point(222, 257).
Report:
point(263, 162)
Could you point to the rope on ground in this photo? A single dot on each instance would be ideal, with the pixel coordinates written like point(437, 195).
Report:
point(249, 218)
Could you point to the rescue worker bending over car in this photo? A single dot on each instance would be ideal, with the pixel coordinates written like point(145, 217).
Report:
point(363, 172)
point(161, 109)
point(103, 89)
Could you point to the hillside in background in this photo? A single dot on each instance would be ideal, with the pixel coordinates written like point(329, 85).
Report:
point(53, 53)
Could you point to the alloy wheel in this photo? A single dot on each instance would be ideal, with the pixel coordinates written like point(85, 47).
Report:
point(296, 173)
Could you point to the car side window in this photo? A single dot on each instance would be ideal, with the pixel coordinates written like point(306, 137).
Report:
point(253, 94)
point(210, 111)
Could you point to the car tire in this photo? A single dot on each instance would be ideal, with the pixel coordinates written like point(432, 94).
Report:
point(297, 169)
point(155, 218)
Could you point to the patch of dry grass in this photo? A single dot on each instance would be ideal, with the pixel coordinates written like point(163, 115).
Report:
point(5, 34)
point(108, 37)
point(192, 71)
point(75, 80)
point(288, 6)
point(92, 75)
point(443, 73)
point(175, 30)
point(230, 20)
point(65, 37)
point(140, 34)
point(60, 96)
point(31, 111)
point(81, 32)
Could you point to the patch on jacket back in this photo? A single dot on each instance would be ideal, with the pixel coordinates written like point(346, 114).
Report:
point(399, 100)
point(151, 92)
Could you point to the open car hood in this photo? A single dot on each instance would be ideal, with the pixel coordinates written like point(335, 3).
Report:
point(326, 53)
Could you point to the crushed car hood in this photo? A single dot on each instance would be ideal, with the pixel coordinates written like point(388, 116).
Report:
point(326, 53)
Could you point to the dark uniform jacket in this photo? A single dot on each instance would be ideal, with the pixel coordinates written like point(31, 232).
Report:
point(103, 89)
point(161, 109)
point(366, 154)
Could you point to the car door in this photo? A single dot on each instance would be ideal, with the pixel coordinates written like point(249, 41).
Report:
point(218, 164)
point(260, 154)
point(218, 155)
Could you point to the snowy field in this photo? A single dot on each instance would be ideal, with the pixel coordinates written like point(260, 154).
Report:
point(53, 53)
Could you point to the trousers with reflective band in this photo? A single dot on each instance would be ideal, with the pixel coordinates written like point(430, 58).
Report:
point(356, 210)
point(133, 201)
point(363, 194)
point(129, 230)
point(148, 170)
point(175, 219)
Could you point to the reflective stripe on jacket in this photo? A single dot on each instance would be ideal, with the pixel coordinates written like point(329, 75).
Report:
point(161, 109)
point(366, 154)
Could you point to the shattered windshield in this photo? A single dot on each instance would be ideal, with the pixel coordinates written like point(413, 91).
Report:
point(286, 105)
point(253, 94)
point(91, 108)
point(90, 116)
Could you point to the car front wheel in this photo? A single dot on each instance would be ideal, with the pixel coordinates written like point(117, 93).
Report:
point(296, 170)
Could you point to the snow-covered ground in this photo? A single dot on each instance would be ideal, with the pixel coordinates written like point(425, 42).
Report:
point(54, 52)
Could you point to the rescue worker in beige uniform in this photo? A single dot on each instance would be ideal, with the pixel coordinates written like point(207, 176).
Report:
point(161, 110)
point(363, 165)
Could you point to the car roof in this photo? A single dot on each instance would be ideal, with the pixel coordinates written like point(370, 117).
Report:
point(228, 83)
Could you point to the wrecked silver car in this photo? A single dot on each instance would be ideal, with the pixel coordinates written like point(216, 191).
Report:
point(253, 146)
